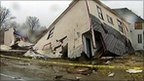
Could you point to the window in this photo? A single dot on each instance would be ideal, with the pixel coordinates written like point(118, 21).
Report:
point(138, 25)
point(139, 38)
point(50, 33)
point(120, 25)
point(100, 12)
point(109, 19)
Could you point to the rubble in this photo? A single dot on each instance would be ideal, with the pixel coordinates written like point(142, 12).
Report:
point(46, 70)
point(24, 44)
point(107, 62)
point(4, 47)
point(111, 74)
point(30, 53)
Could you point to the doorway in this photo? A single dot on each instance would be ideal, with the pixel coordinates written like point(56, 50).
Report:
point(88, 46)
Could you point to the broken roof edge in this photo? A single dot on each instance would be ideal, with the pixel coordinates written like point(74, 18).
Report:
point(43, 34)
point(115, 9)
point(59, 17)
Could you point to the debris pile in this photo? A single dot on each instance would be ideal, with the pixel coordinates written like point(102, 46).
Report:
point(32, 54)
point(4, 47)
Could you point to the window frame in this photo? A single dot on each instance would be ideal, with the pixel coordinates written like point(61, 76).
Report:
point(50, 33)
point(120, 25)
point(138, 25)
point(100, 13)
point(109, 19)
point(139, 39)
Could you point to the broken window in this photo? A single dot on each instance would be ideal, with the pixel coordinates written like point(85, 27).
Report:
point(100, 13)
point(138, 25)
point(139, 38)
point(120, 25)
point(50, 33)
point(109, 19)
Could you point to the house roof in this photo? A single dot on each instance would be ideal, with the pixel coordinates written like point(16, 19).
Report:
point(128, 15)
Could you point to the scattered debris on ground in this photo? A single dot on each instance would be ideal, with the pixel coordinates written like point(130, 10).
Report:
point(28, 69)
point(79, 70)
point(134, 71)
point(111, 74)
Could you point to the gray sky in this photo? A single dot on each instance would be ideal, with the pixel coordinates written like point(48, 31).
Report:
point(48, 11)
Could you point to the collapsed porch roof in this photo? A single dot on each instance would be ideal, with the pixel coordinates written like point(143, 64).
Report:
point(114, 41)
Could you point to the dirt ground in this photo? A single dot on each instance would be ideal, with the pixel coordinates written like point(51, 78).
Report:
point(24, 70)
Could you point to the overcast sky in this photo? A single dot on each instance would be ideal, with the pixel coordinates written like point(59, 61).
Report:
point(48, 11)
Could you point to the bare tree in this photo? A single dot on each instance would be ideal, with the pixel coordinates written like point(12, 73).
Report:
point(32, 22)
point(14, 24)
point(5, 16)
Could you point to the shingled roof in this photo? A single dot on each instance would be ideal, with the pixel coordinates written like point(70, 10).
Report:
point(128, 15)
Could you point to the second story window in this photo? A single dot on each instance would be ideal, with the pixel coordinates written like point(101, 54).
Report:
point(120, 25)
point(50, 33)
point(138, 25)
point(139, 38)
point(109, 19)
point(100, 12)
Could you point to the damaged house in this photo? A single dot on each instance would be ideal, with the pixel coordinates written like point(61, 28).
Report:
point(10, 38)
point(136, 28)
point(86, 27)
point(7, 36)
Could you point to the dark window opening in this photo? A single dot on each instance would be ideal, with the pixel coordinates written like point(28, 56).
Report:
point(100, 12)
point(139, 38)
point(109, 19)
point(50, 33)
point(120, 25)
point(138, 25)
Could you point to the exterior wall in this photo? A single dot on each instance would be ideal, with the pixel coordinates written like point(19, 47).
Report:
point(136, 45)
point(73, 24)
point(93, 10)
point(9, 37)
point(134, 36)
